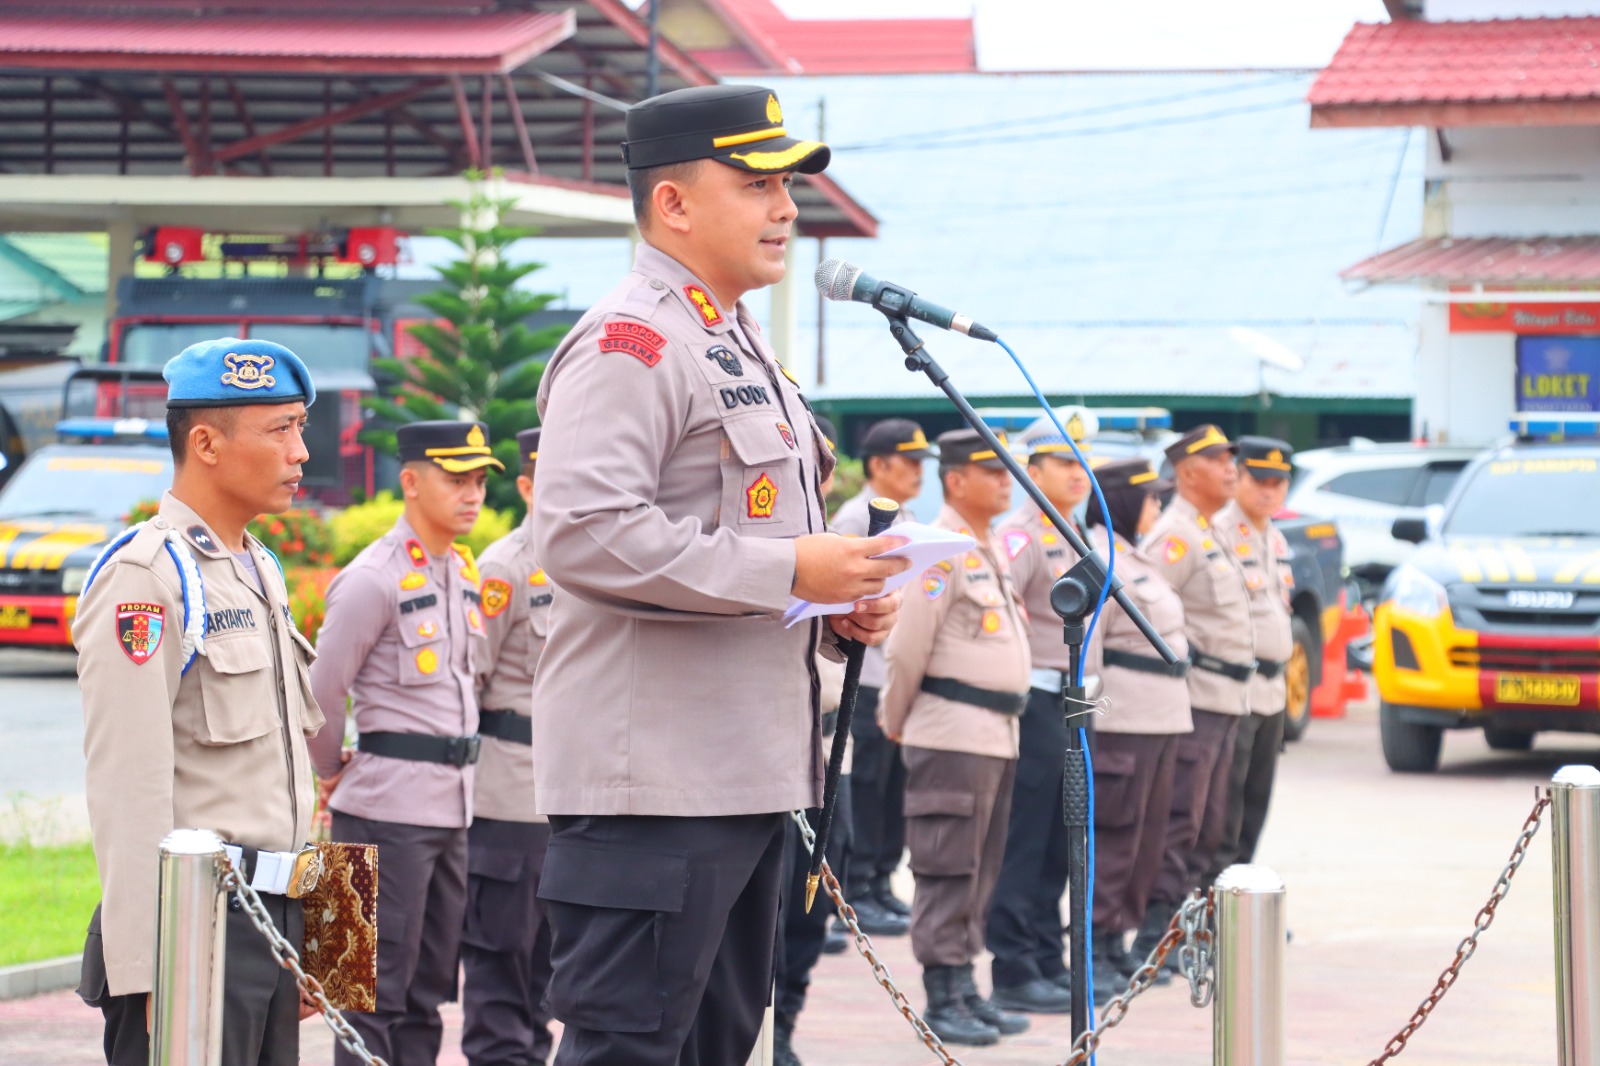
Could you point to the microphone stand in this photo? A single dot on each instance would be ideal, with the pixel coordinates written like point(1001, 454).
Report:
point(1073, 597)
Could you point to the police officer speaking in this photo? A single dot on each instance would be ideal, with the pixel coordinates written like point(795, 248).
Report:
point(398, 640)
point(196, 703)
point(505, 946)
point(674, 717)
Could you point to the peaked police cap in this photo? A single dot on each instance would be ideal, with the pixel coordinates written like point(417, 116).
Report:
point(740, 125)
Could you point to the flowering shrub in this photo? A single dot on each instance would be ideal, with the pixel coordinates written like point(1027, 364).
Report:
point(356, 527)
point(298, 537)
point(308, 597)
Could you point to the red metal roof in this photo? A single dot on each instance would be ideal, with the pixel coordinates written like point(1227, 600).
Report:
point(1490, 64)
point(234, 44)
point(775, 43)
point(1484, 261)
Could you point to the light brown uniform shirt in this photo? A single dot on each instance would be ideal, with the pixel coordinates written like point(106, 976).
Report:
point(676, 465)
point(1038, 555)
point(851, 519)
point(1142, 702)
point(220, 747)
point(516, 613)
point(1184, 547)
point(1264, 558)
point(962, 620)
point(398, 640)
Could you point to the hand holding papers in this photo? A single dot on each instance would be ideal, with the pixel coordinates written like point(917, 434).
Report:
point(924, 546)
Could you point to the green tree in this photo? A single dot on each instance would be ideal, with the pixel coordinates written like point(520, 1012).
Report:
point(482, 361)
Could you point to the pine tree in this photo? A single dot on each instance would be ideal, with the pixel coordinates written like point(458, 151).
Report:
point(482, 361)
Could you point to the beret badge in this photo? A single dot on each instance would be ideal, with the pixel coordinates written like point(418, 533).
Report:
point(248, 371)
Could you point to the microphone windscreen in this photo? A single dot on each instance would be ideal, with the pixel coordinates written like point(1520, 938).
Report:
point(835, 278)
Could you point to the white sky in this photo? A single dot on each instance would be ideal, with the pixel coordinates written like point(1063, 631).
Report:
point(1129, 35)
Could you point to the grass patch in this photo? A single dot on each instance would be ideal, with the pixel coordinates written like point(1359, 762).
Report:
point(46, 895)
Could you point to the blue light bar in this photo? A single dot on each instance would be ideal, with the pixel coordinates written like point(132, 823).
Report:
point(98, 428)
point(1133, 418)
point(1555, 425)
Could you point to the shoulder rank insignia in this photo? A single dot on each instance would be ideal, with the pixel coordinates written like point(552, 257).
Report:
point(1174, 550)
point(933, 584)
point(703, 304)
point(415, 551)
point(538, 578)
point(726, 358)
point(496, 597)
point(628, 346)
point(139, 627)
point(1015, 541)
point(762, 497)
point(412, 580)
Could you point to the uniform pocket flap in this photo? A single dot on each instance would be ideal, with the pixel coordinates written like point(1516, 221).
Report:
point(757, 440)
point(417, 630)
point(1115, 763)
point(596, 875)
point(960, 804)
point(497, 864)
point(241, 655)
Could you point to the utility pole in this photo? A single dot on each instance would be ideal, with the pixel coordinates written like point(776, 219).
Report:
point(652, 76)
point(822, 253)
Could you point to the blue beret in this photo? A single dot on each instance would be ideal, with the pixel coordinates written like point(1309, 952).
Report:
point(232, 372)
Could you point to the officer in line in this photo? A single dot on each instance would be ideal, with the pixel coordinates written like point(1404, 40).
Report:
point(1184, 546)
point(675, 721)
point(1025, 933)
point(505, 944)
point(892, 452)
point(1136, 741)
point(1245, 526)
point(958, 670)
point(399, 640)
point(195, 703)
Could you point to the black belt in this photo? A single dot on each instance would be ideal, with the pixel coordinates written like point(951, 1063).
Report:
point(1213, 665)
point(422, 747)
point(1012, 703)
point(1269, 668)
point(1144, 664)
point(507, 725)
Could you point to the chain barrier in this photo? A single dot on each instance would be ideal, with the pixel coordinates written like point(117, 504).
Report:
point(1190, 927)
point(289, 959)
point(1464, 950)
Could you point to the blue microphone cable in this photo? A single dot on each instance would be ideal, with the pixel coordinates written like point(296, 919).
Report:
point(1105, 590)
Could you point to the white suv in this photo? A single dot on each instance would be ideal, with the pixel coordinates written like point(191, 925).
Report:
point(1364, 487)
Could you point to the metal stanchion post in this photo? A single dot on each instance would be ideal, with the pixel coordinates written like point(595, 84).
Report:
point(1251, 936)
point(761, 1054)
point(1575, 854)
point(191, 936)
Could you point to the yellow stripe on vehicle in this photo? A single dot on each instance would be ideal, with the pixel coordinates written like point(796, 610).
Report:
point(1494, 565)
point(52, 549)
point(1466, 564)
point(1569, 573)
point(1522, 567)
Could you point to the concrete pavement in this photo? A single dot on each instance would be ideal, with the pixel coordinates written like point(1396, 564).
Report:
point(1385, 874)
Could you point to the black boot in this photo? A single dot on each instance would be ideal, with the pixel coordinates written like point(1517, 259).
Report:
point(875, 920)
point(886, 897)
point(783, 1047)
point(948, 1014)
point(1006, 1023)
point(1039, 995)
point(1109, 981)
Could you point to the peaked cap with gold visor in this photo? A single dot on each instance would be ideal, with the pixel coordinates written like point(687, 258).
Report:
point(740, 125)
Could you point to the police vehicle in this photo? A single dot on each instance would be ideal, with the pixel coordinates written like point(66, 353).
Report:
point(60, 509)
point(1494, 622)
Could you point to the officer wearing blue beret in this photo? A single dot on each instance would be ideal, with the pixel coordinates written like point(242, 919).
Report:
point(196, 702)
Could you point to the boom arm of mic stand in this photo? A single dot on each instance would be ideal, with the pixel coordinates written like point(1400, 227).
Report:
point(917, 358)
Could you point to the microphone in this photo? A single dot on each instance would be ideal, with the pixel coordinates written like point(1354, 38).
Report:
point(839, 280)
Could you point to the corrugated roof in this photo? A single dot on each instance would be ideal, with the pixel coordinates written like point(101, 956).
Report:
point(80, 258)
point(1495, 61)
point(777, 43)
point(495, 43)
point(1484, 260)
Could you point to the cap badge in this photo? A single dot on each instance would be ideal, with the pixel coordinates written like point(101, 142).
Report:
point(139, 630)
point(726, 359)
point(496, 596)
point(1212, 436)
point(762, 496)
point(475, 438)
point(703, 303)
point(774, 112)
point(1075, 427)
point(248, 371)
point(917, 442)
point(1275, 456)
point(787, 434)
point(412, 580)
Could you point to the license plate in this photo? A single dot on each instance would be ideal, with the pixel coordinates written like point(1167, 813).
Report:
point(1554, 690)
point(12, 617)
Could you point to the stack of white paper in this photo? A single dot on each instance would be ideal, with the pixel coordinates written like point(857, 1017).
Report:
point(924, 546)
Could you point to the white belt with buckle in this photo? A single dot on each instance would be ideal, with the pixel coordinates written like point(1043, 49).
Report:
point(274, 869)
